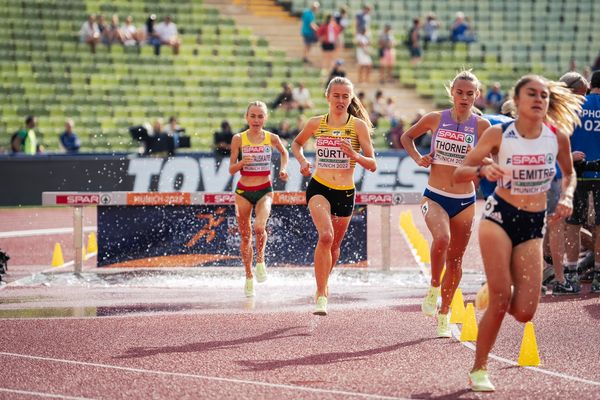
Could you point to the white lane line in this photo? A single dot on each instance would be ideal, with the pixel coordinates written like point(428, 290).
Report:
point(40, 394)
point(456, 334)
point(40, 232)
point(205, 377)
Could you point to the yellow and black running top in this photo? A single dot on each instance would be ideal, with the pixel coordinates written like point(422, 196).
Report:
point(328, 139)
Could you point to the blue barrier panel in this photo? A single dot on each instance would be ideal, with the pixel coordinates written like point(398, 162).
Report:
point(207, 235)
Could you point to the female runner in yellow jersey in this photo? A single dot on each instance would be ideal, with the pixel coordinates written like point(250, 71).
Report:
point(339, 136)
point(254, 189)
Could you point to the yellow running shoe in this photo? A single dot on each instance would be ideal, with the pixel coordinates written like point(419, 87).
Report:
point(261, 272)
point(443, 327)
point(321, 308)
point(429, 305)
point(249, 287)
point(480, 381)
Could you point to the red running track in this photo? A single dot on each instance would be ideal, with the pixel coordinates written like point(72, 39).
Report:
point(360, 350)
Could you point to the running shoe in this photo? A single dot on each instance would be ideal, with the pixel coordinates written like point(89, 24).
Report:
point(443, 327)
point(548, 274)
point(261, 272)
point(321, 307)
point(564, 288)
point(573, 278)
point(596, 283)
point(480, 381)
point(249, 287)
point(429, 305)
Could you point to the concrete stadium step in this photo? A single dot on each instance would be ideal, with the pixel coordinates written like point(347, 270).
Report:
point(283, 33)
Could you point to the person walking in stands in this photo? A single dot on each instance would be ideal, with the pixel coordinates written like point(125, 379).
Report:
point(251, 156)
point(585, 144)
point(447, 207)
point(69, 139)
point(511, 229)
point(25, 140)
point(339, 135)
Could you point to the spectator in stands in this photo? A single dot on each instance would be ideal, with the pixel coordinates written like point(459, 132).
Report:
point(328, 34)
point(461, 29)
point(222, 142)
point(285, 132)
point(587, 73)
point(363, 56)
point(103, 29)
point(68, 139)
point(113, 31)
point(338, 70)
point(378, 107)
point(596, 65)
point(480, 103)
point(309, 29)
point(301, 96)
point(494, 98)
point(130, 34)
point(395, 133)
point(285, 99)
point(150, 33)
point(90, 33)
point(387, 54)
point(25, 140)
point(167, 34)
point(363, 19)
point(173, 128)
point(341, 18)
point(423, 141)
point(431, 29)
point(413, 42)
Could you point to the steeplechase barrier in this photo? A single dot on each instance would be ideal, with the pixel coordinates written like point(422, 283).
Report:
point(158, 229)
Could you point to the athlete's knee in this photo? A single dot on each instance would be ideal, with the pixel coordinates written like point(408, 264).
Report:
point(326, 237)
point(441, 242)
point(500, 300)
point(260, 230)
point(522, 315)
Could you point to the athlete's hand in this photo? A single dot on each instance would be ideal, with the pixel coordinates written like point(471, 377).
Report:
point(283, 175)
point(425, 161)
point(305, 168)
point(347, 149)
point(578, 156)
point(492, 172)
point(564, 209)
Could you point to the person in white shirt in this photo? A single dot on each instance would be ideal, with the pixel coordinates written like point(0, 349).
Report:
point(166, 32)
point(129, 33)
point(90, 33)
point(301, 96)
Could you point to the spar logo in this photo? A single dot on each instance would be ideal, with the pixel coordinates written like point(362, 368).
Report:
point(78, 199)
point(328, 142)
point(219, 198)
point(453, 135)
point(532, 159)
point(375, 198)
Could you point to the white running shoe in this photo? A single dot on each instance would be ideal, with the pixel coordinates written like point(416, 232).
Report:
point(249, 287)
point(261, 272)
point(429, 305)
point(443, 327)
point(321, 307)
